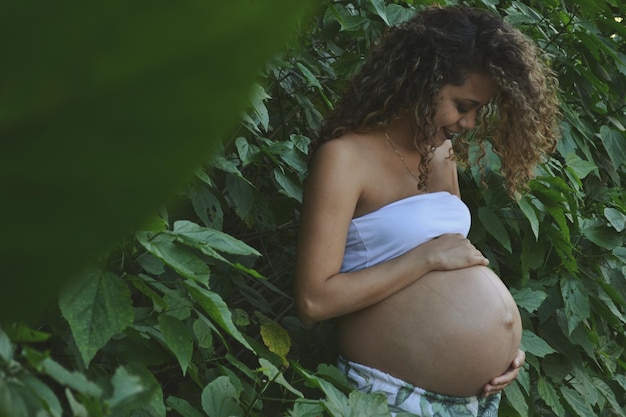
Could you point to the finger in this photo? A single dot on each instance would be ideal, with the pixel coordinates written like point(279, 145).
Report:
point(477, 257)
point(505, 379)
point(500, 384)
point(490, 391)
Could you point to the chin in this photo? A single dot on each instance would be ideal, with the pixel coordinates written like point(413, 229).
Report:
point(438, 142)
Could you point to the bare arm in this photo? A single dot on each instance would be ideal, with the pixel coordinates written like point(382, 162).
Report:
point(333, 190)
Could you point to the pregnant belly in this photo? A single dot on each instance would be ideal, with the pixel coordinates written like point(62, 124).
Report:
point(449, 332)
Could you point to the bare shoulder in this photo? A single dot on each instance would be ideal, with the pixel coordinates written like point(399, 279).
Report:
point(340, 161)
point(343, 150)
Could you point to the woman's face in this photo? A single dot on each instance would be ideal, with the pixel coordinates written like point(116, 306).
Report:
point(457, 106)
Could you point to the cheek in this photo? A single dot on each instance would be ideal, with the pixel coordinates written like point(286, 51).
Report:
point(443, 118)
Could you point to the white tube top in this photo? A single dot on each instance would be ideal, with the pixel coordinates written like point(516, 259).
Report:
point(400, 226)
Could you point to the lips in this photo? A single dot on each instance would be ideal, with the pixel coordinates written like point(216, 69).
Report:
point(445, 134)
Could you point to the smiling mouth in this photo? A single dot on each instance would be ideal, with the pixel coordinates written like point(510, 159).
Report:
point(449, 134)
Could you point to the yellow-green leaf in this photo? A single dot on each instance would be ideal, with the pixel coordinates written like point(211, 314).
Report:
point(276, 339)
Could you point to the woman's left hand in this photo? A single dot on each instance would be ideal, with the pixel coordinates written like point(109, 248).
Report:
point(499, 383)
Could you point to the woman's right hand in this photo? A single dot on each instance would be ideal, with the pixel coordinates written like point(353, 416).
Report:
point(452, 251)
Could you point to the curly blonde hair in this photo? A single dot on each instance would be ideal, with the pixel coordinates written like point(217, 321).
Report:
point(443, 45)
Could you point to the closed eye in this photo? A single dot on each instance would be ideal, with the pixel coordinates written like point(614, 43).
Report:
point(461, 108)
point(466, 105)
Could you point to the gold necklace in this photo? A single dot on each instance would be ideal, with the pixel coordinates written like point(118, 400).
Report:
point(403, 161)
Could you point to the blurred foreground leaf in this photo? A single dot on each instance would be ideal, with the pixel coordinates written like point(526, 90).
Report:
point(106, 109)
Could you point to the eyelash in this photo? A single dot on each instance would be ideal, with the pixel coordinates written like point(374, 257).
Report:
point(461, 108)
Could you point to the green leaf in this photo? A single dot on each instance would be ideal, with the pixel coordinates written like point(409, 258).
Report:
point(616, 218)
point(620, 253)
point(333, 374)
point(294, 159)
point(249, 271)
point(151, 399)
point(379, 6)
point(609, 353)
point(621, 58)
point(549, 395)
point(126, 387)
point(288, 186)
point(273, 374)
point(309, 76)
point(301, 142)
point(533, 255)
point(74, 380)
point(577, 402)
point(44, 394)
point(598, 232)
point(372, 405)
point(520, 14)
point(609, 395)
point(23, 333)
point(348, 21)
point(397, 14)
point(220, 399)
point(559, 215)
point(6, 349)
point(177, 257)
point(78, 409)
point(336, 402)
point(217, 309)
point(614, 144)
point(11, 402)
point(183, 407)
point(201, 237)
point(104, 129)
point(583, 383)
point(139, 282)
point(535, 345)
point(306, 409)
point(177, 338)
point(236, 364)
point(97, 306)
point(243, 150)
point(356, 405)
point(494, 227)
point(610, 305)
point(206, 205)
point(259, 110)
point(576, 302)
point(580, 167)
point(515, 396)
point(231, 166)
point(242, 195)
point(202, 332)
point(528, 299)
point(621, 380)
point(523, 380)
point(528, 210)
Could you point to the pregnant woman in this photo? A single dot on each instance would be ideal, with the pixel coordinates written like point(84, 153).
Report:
point(382, 246)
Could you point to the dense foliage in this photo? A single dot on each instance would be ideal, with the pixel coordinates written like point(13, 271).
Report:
point(192, 316)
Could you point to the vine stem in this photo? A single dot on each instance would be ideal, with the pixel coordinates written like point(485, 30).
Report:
point(258, 395)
